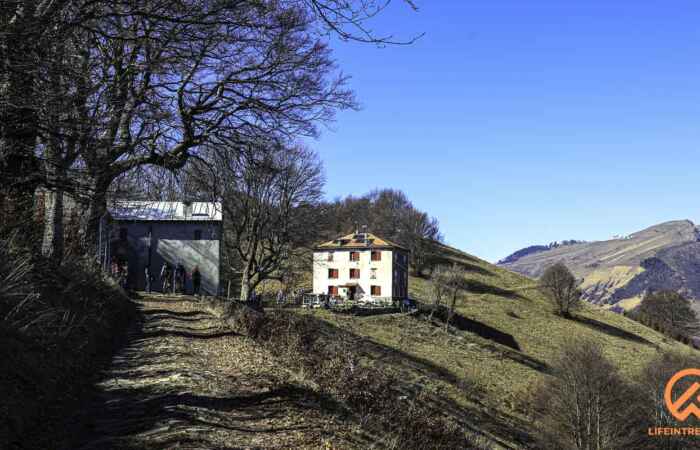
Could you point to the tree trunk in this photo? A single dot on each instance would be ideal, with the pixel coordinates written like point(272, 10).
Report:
point(52, 244)
point(96, 208)
point(249, 282)
point(19, 167)
point(245, 283)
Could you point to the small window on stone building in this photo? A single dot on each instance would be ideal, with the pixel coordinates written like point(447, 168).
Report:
point(197, 235)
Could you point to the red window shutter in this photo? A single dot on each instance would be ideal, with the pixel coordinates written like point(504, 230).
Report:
point(376, 291)
point(376, 256)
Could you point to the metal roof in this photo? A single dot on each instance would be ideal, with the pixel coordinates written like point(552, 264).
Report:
point(165, 211)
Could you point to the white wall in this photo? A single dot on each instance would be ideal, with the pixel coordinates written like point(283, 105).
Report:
point(341, 261)
point(172, 242)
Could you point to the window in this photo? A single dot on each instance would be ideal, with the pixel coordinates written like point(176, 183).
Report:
point(332, 273)
point(330, 256)
point(122, 234)
point(354, 256)
point(373, 274)
point(354, 273)
point(197, 235)
point(376, 291)
point(376, 255)
point(332, 290)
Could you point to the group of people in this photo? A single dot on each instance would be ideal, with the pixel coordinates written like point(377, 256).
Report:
point(174, 279)
point(120, 272)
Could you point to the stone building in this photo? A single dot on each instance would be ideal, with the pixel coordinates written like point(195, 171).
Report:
point(361, 266)
point(151, 233)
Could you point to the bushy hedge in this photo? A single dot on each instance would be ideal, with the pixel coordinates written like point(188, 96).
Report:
point(56, 322)
point(326, 358)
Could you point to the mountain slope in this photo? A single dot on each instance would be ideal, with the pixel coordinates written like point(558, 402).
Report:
point(665, 256)
point(508, 339)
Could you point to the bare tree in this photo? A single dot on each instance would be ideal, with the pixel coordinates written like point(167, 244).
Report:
point(163, 79)
point(64, 83)
point(559, 284)
point(447, 284)
point(270, 194)
point(581, 405)
point(199, 72)
point(420, 233)
point(21, 38)
point(34, 37)
point(390, 214)
point(393, 215)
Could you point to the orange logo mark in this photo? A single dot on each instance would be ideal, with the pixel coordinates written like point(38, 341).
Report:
point(675, 406)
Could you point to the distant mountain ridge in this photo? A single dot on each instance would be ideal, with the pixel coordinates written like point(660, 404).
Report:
point(513, 257)
point(621, 270)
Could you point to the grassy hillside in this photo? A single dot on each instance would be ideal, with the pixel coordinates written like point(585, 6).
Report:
point(486, 376)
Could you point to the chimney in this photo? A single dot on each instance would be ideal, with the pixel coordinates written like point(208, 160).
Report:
point(187, 208)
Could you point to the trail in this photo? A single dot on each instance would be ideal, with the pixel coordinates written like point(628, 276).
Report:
point(184, 381)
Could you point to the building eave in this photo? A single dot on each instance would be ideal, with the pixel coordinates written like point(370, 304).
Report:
point(365, 247)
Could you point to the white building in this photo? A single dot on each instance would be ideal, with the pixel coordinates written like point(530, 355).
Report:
point(361, 265)
point(151, 233)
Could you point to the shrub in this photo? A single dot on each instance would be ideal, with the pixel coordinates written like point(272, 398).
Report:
point(671, 311)
point(54, 322)
point(327, 360)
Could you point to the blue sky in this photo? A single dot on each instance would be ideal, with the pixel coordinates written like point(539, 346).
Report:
point(524, 122)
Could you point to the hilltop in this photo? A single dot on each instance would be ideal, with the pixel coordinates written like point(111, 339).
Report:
point(507, 341)
point(619, 271)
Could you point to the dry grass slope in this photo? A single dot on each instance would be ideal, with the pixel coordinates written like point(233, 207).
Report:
point(487, 380)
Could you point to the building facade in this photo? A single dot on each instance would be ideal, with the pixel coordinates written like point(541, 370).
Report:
point(150, 234)
point(361, 266)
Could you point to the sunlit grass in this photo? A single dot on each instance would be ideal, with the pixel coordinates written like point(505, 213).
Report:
point(490, 375)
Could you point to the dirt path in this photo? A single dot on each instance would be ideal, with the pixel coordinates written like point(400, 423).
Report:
point(184, 381)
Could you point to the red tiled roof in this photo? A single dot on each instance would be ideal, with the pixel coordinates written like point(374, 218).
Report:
point(358, 241)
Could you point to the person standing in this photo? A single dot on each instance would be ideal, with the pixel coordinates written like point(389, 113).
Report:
point(196, 281)
point(124, 275)
point(280, 297)
point(165, 277)
point(147, 274)
point(180, 278)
